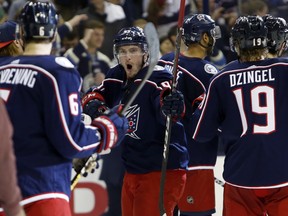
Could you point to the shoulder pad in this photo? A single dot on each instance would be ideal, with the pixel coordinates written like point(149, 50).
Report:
point(209, 68)
point(64, 62)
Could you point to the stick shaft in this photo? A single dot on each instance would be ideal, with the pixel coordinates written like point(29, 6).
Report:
point(168, 118)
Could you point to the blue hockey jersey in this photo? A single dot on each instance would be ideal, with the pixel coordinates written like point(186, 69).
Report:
point(143, 144)
point(193, 78)
point(42, 99)
point(249, 102)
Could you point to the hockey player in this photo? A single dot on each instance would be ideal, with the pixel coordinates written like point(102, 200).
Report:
point(199, 35)
point(42, 98)
point(277, 36)
point(247, 101)
point(144, 142)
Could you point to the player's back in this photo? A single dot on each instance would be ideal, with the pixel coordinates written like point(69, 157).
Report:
point(44, 112)
point(250, 99)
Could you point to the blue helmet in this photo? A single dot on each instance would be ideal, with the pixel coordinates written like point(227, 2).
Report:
point(277, 32)
point(194, 26)
point(249, 32)
point(130, 36)
point(39, 20)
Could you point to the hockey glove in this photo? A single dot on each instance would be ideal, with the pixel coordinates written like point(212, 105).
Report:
point(93, 104)
point(197, 102)
point(112, 128)
point(89, 164)
point(172, 103)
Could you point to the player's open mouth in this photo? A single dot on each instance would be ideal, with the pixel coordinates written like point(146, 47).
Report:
point(129, 66)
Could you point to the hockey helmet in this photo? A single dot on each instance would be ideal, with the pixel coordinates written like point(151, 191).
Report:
point(130, 36)
point(194, 26)
point(39, 20)
point(249, 32)
point(277, 32)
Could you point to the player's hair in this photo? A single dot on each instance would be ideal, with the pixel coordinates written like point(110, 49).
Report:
point(39, 20)
point(253, 55)
point(92, 24)
point(194, 26)
point(10, 50)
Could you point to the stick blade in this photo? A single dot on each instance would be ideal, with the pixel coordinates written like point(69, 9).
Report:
point(153, 43)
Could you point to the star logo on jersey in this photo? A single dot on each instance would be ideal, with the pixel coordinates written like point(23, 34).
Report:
point(132, 114)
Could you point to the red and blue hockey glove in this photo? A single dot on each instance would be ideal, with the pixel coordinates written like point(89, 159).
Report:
point(112, 128)
point(93, 104)
point(197, 102)
point(172, 103)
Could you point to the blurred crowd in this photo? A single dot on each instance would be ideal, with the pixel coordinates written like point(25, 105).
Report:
point(88, 27)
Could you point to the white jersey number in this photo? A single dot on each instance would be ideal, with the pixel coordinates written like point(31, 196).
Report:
point(4, 94)
point(257, 108)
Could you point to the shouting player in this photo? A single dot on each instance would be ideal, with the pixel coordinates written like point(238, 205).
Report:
point(247, 100)
point(42, 98)
point(144, 142)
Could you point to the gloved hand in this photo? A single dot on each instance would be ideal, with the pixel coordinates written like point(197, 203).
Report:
point(172, 103)
point(93, 104)
point(197, 102)
point(89, 163)
point(112, 128)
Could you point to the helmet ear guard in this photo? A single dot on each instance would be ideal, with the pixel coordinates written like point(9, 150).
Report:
point(39, 20)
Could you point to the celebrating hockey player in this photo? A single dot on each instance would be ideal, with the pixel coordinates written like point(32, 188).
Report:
point(41, 93)
point(144, 142)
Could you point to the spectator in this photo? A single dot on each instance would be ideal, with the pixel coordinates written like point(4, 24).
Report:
point(113, 18)
point(164, 14)
point(90, 62)
point(166, 45)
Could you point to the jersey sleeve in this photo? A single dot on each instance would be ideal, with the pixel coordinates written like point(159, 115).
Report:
point(62, 113)
point(207, 117)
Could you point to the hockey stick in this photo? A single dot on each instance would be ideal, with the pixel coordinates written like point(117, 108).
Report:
point(153, 48)
point(168, 118)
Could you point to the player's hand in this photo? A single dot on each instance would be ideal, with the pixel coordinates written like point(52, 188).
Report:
point(197, 101)
point(89, 163)
point(112, 128)
point(172, 103)
point(93, 105)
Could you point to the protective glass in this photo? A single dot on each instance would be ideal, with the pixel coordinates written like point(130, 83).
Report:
point(216, 32)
